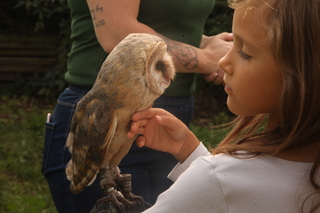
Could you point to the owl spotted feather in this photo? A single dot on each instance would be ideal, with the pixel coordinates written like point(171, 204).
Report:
point(135, 73)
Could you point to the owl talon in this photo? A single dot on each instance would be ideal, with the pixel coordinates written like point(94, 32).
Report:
point(114, 202)
point(118, 201)
point(124, 183)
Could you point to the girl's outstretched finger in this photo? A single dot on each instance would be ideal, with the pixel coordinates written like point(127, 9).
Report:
point(136, 127)
point(147, 113)
point(130, 135)
point(136, 124)
point(140, 141)
point(169, 121)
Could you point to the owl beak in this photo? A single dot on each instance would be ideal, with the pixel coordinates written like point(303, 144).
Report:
point(167, 81)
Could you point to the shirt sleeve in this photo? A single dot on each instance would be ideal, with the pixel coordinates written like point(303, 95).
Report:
point(196, 190)
point(201, 150)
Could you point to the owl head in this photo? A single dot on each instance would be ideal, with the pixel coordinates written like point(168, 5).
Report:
point(160, 65)
point(144, 58)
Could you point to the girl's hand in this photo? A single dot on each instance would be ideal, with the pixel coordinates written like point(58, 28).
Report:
point(162, 131)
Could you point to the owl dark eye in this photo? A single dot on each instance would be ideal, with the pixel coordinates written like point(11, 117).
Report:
point(160, 66)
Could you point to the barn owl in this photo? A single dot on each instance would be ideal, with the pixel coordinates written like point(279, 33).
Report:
point(135, 73)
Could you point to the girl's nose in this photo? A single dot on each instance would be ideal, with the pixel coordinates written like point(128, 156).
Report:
point(225, 64)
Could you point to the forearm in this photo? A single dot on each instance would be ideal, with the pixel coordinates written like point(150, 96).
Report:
point(110, 28)
point(186, 58)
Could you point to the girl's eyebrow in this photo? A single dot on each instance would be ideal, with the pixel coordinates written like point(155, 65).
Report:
point(243, 41)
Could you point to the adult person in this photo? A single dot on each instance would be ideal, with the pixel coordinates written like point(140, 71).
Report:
point(97, 27)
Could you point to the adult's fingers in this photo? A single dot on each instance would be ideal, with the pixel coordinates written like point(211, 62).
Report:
point(216, 77)
point(225, 36)
point(148, 113)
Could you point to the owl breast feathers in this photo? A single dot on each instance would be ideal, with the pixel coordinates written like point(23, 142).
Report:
point(135, 73)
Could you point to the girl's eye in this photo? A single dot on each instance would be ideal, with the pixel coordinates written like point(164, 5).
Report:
point(243, 55)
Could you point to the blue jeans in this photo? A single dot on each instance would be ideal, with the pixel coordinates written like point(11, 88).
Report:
point(149, 168)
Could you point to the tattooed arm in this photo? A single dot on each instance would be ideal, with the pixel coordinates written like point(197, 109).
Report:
point(116, 19)
point(204, 60)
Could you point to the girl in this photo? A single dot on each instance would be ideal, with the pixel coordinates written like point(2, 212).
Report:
point(272, 76)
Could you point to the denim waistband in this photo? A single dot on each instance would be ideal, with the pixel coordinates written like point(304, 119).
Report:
point(173, 100)
point(80, 89)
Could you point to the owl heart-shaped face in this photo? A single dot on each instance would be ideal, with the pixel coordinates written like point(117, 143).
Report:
point(161, 69)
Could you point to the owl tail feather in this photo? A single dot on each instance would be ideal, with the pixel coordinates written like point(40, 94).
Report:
point(78, 184)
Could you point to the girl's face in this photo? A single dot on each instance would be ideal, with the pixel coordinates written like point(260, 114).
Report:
point(252, 77)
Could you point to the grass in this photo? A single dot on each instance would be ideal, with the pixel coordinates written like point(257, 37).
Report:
point(209, 133)
point(22, 185)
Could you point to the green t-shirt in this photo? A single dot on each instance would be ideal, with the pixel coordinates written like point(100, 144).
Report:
point(180, 20)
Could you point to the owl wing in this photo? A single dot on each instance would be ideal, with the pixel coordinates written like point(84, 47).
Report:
point(92, 129)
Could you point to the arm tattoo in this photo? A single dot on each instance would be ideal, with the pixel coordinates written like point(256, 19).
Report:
point(186, 54)
point(97, 23)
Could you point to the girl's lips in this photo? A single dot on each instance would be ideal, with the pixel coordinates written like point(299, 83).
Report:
point(227, 89)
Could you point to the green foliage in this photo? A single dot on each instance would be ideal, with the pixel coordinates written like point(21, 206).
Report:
point(220, 20)
point(210, 136)
point(22, 186)
point(47, 12)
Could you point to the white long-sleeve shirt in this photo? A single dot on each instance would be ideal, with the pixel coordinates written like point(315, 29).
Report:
point(222, 183)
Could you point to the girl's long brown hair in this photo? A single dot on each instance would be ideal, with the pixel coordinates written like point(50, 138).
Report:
point(293, 28)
